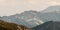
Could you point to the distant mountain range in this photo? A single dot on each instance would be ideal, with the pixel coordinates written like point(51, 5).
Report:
point(27, 18)
point(34, 18)
point(52, 9)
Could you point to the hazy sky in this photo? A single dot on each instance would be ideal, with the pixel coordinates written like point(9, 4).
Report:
point(10, 7)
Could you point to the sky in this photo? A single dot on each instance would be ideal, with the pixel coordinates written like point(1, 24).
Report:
point(11, 7)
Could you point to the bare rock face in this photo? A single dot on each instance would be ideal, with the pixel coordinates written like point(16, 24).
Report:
point(11, 26)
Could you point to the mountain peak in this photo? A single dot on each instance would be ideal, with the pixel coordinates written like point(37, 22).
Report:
point(30, 11)
point(27, 18)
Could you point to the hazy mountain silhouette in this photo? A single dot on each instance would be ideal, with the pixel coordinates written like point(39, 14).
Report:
point(52, 9)
point(34, 18)
point(27, 18)
point(51, 13)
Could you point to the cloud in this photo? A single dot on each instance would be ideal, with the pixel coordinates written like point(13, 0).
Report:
point(9, 7)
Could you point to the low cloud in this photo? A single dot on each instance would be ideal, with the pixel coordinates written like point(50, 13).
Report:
point(9, 7)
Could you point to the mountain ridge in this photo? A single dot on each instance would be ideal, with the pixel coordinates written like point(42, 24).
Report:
point(52, 9)
point(33, 18)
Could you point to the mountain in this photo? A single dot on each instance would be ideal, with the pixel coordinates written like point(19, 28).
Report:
point(52, 9)
point(11, 26)
point(50, 25)
point(27, 18)
point(51, 13)
point(33, 18)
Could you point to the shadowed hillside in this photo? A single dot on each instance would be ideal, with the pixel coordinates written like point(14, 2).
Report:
point(50, 25)
point(11, 26)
